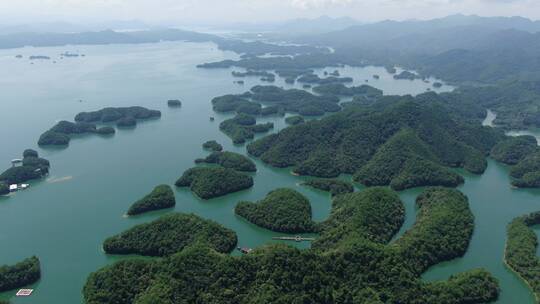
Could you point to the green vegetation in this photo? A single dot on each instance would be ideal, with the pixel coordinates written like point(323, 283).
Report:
point(230, 102)
point(402, 143)
point(243, 127)
point(520, 252)
point(33, 167)
point(315, 79)
point(170, 234)
point(85, 122)
point(212, 145)
point(340, 89)
point(210, 182)
point(295, 101)
point(253, 73)
point(115, 114)
point(443, 229)
point(174, 103)
point(161, 197)
point(105, 130)
point(294, 120)
point(374, 214)
point(282, 210)
point(351, 262)
point(230, 160)
point(19, 275)
point(526, 173)
point(4, 188)
point(513, 149)
point(334, 186)
point(126, 122)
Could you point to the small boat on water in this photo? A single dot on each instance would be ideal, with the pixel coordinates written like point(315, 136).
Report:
point(244, 250)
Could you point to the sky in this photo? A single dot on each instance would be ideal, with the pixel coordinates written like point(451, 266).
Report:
point(215, 12)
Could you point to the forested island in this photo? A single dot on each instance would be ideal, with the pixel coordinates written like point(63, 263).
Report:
point(350, 262)
point(282, 210)
point(403, 142)
point(229, 160)
point(520, 252)
point(162, 197)
point(210, 182)
point(212, 145)
point(171, 234)
point(279, 100)
point(19, 275)
point(294, 120)
point(31, 167)
point(334, 186)
point(85, 122)
point(243, 127)
point(174, 103)
point(526, 172)
point(513, 149)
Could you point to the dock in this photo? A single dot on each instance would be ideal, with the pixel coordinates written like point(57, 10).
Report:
point(293, 238)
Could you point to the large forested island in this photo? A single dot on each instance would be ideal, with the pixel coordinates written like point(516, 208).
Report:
point(334, 186)
point(243, 127)
point(85, 122)
point(404, 143)
point(351, 262)
point(210, 182)
point(19, 275)
point(170, 234)
point(282, 210)
point(520, 253)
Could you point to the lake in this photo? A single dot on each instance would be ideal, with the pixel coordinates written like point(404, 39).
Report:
point(65, 218)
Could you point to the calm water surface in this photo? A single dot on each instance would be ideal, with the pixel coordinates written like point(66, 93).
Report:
point(65, 218)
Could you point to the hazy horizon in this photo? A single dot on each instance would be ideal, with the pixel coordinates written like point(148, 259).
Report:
point(215, 13)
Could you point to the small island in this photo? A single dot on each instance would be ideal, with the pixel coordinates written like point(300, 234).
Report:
point(170, 234)
point(30, 167)
point(282, 210)
point(162, 197)
point(229, 160)
point(294, 120)
point(243, 127)
point(334, 186)
point(174, 103)
point(212, 145)
point(210, 182)
point(114, 114)
point(406, 75)
point(19, 275)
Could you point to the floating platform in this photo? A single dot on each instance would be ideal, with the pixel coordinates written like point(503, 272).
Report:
point(24, 292)
point(293, 238)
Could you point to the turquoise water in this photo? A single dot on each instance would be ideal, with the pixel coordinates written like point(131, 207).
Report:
point(65, 218)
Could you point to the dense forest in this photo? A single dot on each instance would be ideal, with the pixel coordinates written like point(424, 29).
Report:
point(212, 145)
point(282, 210)
point(170, 234)
point(229, 160)
point(19, 275)
point(243, 127)
point(405, 142)
point(526, 172)
point(210, 182)
point(161, 197)
point(513, 149)
point(350, 263)
point(32, 167)
point(520, 253)
point(334, 186)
